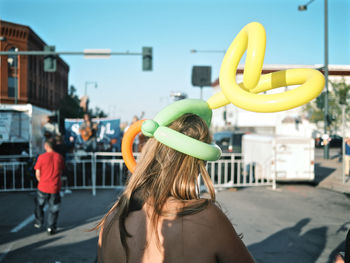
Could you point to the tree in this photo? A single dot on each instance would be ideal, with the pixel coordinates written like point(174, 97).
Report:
point(97, 113)
point(69, 107)
point(337, 95)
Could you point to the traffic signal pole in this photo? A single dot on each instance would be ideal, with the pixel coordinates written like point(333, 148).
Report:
point(50, 55)
point(147, 55)
point(56, 53)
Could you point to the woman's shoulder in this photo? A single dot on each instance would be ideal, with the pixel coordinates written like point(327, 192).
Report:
point(212, 209)
point(220, 235)
point(211, 215)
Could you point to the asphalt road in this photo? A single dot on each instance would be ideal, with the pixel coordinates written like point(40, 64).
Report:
point(295, 223)
point(80, 211)
point(333, 153)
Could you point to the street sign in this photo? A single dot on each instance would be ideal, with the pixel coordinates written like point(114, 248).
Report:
point(97, 53)
point(201, 76)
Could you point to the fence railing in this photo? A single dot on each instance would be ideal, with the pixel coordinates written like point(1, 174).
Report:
point(107, 170)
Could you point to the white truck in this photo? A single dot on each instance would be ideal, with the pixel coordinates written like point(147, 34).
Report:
point(288, 158)
point(21, 129)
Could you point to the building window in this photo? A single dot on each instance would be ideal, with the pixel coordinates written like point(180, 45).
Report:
point(29, 63)
point(31, 90)
point(11, 84)
point(12, 79)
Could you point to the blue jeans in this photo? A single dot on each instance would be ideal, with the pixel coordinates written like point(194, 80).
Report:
point(53, 201)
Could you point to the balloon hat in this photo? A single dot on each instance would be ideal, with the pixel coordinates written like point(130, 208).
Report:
point(252, 38)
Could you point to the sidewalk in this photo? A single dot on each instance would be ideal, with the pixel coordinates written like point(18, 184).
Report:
point(328, 174)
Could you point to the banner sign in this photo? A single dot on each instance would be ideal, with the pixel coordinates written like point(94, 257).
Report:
point(108, 131)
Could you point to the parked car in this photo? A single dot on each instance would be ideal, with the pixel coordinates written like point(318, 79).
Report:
point(335, 141)
point(229, 141)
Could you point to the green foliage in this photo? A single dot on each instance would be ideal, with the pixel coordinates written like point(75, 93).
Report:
point(343, 91)
point(97, 113)
point(338, 94)
point(70, 107)
point(320, 100)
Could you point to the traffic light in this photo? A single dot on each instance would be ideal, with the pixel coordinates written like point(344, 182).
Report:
point(147, 59)
point(50, 61)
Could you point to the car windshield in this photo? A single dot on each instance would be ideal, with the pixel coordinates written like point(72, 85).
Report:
point(221, 135)
point(229, 141)
point(223, 140)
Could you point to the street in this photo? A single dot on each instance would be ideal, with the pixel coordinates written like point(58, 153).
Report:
point(333, 153)
point(247, 88)
point(73, 243)
point(295, 223)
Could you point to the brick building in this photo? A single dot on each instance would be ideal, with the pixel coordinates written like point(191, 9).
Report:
point(22, 78)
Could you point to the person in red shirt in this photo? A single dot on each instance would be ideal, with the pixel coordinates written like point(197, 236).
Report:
point(48, 170)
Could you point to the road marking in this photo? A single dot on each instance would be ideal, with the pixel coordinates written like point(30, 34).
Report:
point(28, 220)
point(7, 250)
point(24, 223)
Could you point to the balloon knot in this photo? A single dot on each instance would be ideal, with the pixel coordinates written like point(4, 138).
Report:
point(149, 127)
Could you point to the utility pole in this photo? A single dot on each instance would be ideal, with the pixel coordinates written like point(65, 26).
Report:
point(86, 85)
point(304, 8)
point(326, 147)
point(343, 106)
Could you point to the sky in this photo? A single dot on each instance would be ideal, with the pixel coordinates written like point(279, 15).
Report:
point(173, 28)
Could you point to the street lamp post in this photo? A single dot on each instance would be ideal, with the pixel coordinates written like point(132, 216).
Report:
point(304, 8)
point(86, 97)
point(207, 51)
point(86, 85)
point(15, 63)
point(178, 95)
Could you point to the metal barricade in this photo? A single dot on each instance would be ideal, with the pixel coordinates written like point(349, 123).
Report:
point(231, 171)
point(17, 173)
point(106, 170)
point(100, 170)
point(111, 171)
point(79, 171)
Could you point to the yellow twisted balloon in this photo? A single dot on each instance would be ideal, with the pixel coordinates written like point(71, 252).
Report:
point(245, 95)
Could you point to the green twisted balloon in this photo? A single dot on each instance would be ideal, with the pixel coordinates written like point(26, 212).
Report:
point(182, 143)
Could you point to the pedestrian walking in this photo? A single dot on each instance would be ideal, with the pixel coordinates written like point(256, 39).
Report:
point(347, 156)
point(48, 171)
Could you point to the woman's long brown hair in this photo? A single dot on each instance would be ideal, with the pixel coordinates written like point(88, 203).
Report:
point(162, 172)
